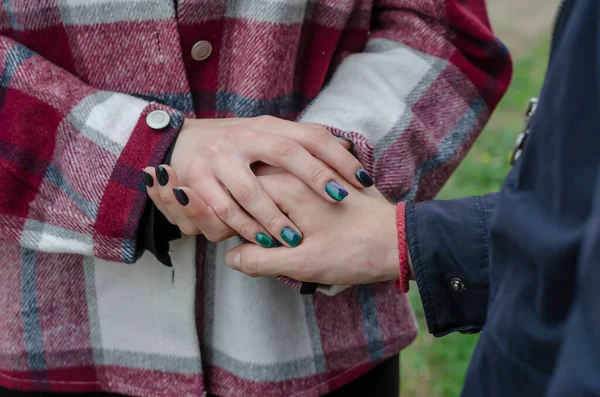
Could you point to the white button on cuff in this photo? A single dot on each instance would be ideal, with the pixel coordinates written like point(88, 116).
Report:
point(158, 119)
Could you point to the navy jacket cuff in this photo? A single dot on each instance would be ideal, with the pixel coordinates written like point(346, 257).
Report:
point(448, 245)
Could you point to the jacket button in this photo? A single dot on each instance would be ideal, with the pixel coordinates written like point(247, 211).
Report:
point(201, 50)
point(158, 119)
point(457, 285)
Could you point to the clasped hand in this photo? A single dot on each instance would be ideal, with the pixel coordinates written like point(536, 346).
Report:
point(217, 186)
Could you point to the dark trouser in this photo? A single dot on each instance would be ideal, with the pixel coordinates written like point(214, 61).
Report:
point(381, 381)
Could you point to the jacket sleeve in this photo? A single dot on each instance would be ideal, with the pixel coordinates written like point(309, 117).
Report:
point(419, 94)
point(71, 159)
point(576, 372)
point(448, 246)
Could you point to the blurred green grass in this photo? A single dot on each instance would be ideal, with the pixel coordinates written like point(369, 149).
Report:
point(436, 367)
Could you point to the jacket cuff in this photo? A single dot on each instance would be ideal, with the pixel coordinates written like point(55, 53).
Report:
point(155, 232)
point(124, 199)
point(448, 243)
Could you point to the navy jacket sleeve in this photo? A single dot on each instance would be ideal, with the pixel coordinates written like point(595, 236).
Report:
point(577, 372)
point(448, 247)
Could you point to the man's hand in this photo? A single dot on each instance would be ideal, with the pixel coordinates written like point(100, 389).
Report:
point(222, 197)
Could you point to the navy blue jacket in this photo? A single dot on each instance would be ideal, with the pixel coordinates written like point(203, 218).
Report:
point(523, 265)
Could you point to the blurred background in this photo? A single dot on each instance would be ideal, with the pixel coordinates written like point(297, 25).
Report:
point(436, 367)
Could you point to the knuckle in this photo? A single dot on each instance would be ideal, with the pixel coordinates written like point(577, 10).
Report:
point(225, 212)
point(273, 222)
point(318, 174)
point(213, 149)
point(262, 120)
point(195, 213)
point(153, 194)
point(286, 148)
point(320, 135)
point(247, 228)
point(167, 198)
point(249, 266)
point(188, 230)
point(245, 193)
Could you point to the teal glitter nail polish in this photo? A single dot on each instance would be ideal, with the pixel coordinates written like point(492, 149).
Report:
point(264, 240)
point(336, 191)
point(290, 236)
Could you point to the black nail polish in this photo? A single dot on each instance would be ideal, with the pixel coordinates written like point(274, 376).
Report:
point(162, 176)
point(181, 197)
point(148, 180)
point(364, 178)
point(276, 244)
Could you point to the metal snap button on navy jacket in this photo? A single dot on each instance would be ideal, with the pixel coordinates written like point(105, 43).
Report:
point(523, 264)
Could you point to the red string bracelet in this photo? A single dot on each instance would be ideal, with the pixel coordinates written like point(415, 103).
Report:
point(402, 282)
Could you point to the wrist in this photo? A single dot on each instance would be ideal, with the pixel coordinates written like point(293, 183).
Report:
point(180, 150)
point(389, 243)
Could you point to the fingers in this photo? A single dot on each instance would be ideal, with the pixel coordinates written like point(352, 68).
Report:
point(230, 213)
point(201, 215)
point(152, 189)
point(167, 180)
point(290, 155)
point(290, 194)
point(248, 192)
point(319, 142)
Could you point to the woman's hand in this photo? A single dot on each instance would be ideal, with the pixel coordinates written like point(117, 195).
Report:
point(212, 158)
point(354, 243)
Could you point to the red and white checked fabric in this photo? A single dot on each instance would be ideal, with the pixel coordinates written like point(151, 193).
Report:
point(411, 82)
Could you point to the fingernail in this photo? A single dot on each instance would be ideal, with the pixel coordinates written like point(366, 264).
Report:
point(233, 260)
point(336, 191)
point(148, 180)
point(276, 244)
point(264, 240)
point(290, 236)
point(162, 176)
point(181, 197)
point(364, 178)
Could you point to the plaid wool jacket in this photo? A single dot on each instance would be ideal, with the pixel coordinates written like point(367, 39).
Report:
point(410, 82)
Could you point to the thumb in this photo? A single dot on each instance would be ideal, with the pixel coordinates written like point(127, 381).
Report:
point(256, 261)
